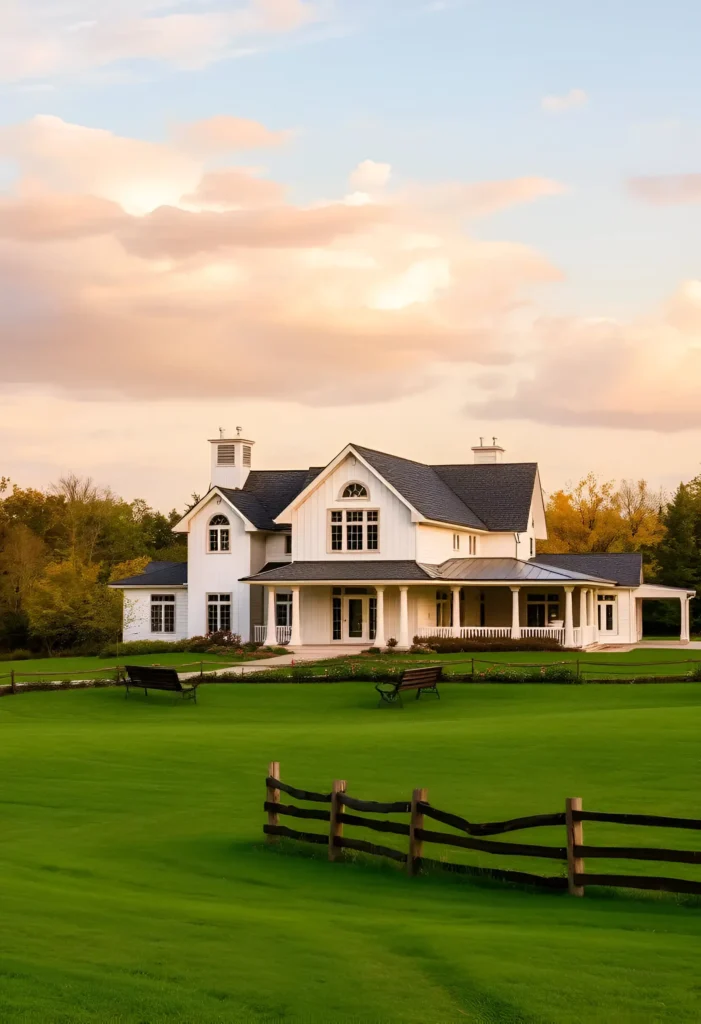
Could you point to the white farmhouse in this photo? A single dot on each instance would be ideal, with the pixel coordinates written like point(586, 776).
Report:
point(374, 546)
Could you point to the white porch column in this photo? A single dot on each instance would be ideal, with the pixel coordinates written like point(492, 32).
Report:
point(456, 610)
point(582, 616)
point(379, 640)
point(569, 622)
point(403, 639)
point(296, 634)
point(684, 632)
point(271, 632)
point(515, 614)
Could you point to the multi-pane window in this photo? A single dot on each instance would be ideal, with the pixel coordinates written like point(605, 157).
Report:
point(372, 615)
point(444, 608)
point(354, 530)
point(542, 609)
point(162, 613)
point(218, 612)
point(456, 542)
point(337, 531)
point(355, 491)
point(606, 612)
point(472, 544)
point(219, 534)
point(283, 609)
point(337, 618)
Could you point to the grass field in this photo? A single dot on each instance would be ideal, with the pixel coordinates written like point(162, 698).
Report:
point(624, 664)
point(89, 668)
point(135, 887)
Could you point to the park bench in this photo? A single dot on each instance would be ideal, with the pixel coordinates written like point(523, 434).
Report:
point(419, 679)
point(153, 677)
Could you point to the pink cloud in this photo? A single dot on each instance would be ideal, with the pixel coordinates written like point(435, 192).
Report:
point(128, 268)
point(641, 374)
point(667, 189)
point(235, 186)
point(225, 134)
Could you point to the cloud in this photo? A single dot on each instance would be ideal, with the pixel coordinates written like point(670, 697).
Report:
point(235, 187)
point(132, 269)
point(370, 175)
point(572, 100)
point(667, 189)
point(45, 39)
point(643, 374)
point(226, 134)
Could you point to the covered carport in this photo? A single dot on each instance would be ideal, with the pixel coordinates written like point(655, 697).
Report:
point(657, 592)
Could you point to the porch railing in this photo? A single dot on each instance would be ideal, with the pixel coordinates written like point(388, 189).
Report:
point(503, 633)
point(468, 632)
point(282, 634)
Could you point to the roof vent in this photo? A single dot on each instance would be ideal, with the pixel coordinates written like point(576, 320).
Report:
point(488, 453)
point(226, 455)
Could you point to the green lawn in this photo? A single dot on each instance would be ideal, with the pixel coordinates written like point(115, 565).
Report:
point(135, 887)
point(624, 664)
point(94, 668)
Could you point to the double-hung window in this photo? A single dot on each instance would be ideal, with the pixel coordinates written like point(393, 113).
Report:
point(219, 533)
point(162, 613)
point(218, 612)
point(354, 530)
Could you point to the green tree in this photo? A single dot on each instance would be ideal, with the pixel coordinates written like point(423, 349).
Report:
point(69, 608)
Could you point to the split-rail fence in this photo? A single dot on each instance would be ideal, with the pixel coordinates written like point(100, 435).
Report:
point(344, 809)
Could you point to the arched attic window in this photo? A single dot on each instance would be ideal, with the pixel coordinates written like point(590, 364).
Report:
point(219, 533)
point(355, 490)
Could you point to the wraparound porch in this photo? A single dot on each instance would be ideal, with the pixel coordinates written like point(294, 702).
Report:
point(372, 615)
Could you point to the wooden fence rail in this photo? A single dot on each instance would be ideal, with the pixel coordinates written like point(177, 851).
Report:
point(572, 855)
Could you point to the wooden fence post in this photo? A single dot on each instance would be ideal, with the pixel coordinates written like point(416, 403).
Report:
point(273, 797)
point(416, 846)
point(336, 826)
point(575, 837)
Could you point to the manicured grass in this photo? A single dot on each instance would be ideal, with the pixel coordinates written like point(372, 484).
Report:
point(136, 887)
point(88, 668)
point(623, 664)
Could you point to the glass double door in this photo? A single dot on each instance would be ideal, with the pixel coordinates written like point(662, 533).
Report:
point(358, 619)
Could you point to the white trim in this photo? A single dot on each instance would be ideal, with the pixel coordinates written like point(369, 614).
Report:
point(201, 503)
point(285, 516)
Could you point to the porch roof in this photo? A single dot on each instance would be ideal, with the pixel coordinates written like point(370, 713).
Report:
point(475, 570)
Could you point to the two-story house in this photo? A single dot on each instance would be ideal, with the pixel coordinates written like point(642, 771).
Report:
point(374, 546)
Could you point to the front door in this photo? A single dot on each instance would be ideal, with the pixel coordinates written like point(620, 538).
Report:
point(356, 618)
point(607, 613)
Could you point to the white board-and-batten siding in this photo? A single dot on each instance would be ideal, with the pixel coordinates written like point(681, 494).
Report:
point(137, 614)
point(310, 534)
point(218, 572)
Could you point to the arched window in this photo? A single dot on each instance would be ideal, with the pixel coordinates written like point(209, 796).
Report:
point(219, 533)
point(355, 490)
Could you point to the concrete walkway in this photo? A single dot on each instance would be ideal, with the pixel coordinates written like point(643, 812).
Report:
point(296, 657)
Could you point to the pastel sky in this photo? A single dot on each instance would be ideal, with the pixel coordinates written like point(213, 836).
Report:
point(403, 223)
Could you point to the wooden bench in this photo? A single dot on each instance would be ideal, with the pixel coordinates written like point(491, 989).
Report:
point(153, 677)
point(423, 680)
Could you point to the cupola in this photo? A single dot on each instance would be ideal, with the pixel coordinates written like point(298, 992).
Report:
point(231, 459)
point(485, 453)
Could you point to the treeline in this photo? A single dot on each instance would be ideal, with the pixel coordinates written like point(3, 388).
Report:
point(58, 551)
point(61, 547)
point(601, 517)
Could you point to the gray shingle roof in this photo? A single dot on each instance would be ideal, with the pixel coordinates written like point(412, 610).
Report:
point(157, 574)
point(454, 570)
point(498, 493)
point(313, 572)
point(267, 492)
point(625, 568)
point(423, 488)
